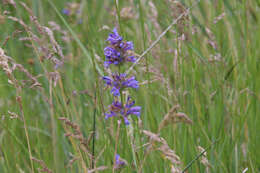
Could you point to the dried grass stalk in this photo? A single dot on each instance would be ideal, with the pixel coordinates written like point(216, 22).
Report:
point(11, 2)
point(153, 17)
point(13, 115)
point(127, 13)
point(2, 19)
point(204, 159)
point(77, 134)
point(173, 117)
point(69, 165)
point(176, 9)
point(101, 168)
point(43, 165)
point(6, 62)
point(156, 75)
point(46, 45)
point(164, 148)
point(218, 18)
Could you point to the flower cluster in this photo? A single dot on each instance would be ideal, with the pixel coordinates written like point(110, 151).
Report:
point(117, 53)
point(117, 109)
point(119, 81)
point(120, 163)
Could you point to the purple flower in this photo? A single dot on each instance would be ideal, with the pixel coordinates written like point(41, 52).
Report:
point(130, 109)
point(118, 51)
point(119, 162)
point(116, 109)
point(112, 56)
point(127, 45)
point(120, 81)
point(111, 52)
point(114, 38)
point(130, 83)
point(66, 11)
point(130, 59)
point(107, 80)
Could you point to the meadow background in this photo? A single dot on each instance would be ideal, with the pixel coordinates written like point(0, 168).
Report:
point(199, 86)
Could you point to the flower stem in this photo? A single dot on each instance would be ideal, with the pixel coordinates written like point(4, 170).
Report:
point(117, 136)
point(130, 135)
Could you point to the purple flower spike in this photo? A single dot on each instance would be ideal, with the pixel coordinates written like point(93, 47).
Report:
point(114, 38)
point(118, 51)
point(116, 109)
point(119, 81)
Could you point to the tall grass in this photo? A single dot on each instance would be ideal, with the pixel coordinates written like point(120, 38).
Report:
point(200, 87)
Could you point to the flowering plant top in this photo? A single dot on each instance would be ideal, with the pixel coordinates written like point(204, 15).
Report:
point(117, 109)
point(118, 50)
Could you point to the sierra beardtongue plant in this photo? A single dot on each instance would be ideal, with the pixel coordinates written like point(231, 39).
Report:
point(117, 53)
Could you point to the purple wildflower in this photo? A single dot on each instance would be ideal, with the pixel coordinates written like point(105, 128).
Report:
point(114, 38)
point(131, 109)
point(118, 51)
point(131, 59)
point(120, 81)
point(112, 56)
point(119, 162)
point(127, 45)
point(66, 11)
point(117, 109)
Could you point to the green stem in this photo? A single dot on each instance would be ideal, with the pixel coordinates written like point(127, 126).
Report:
point(129, 134)
point(118, 15)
